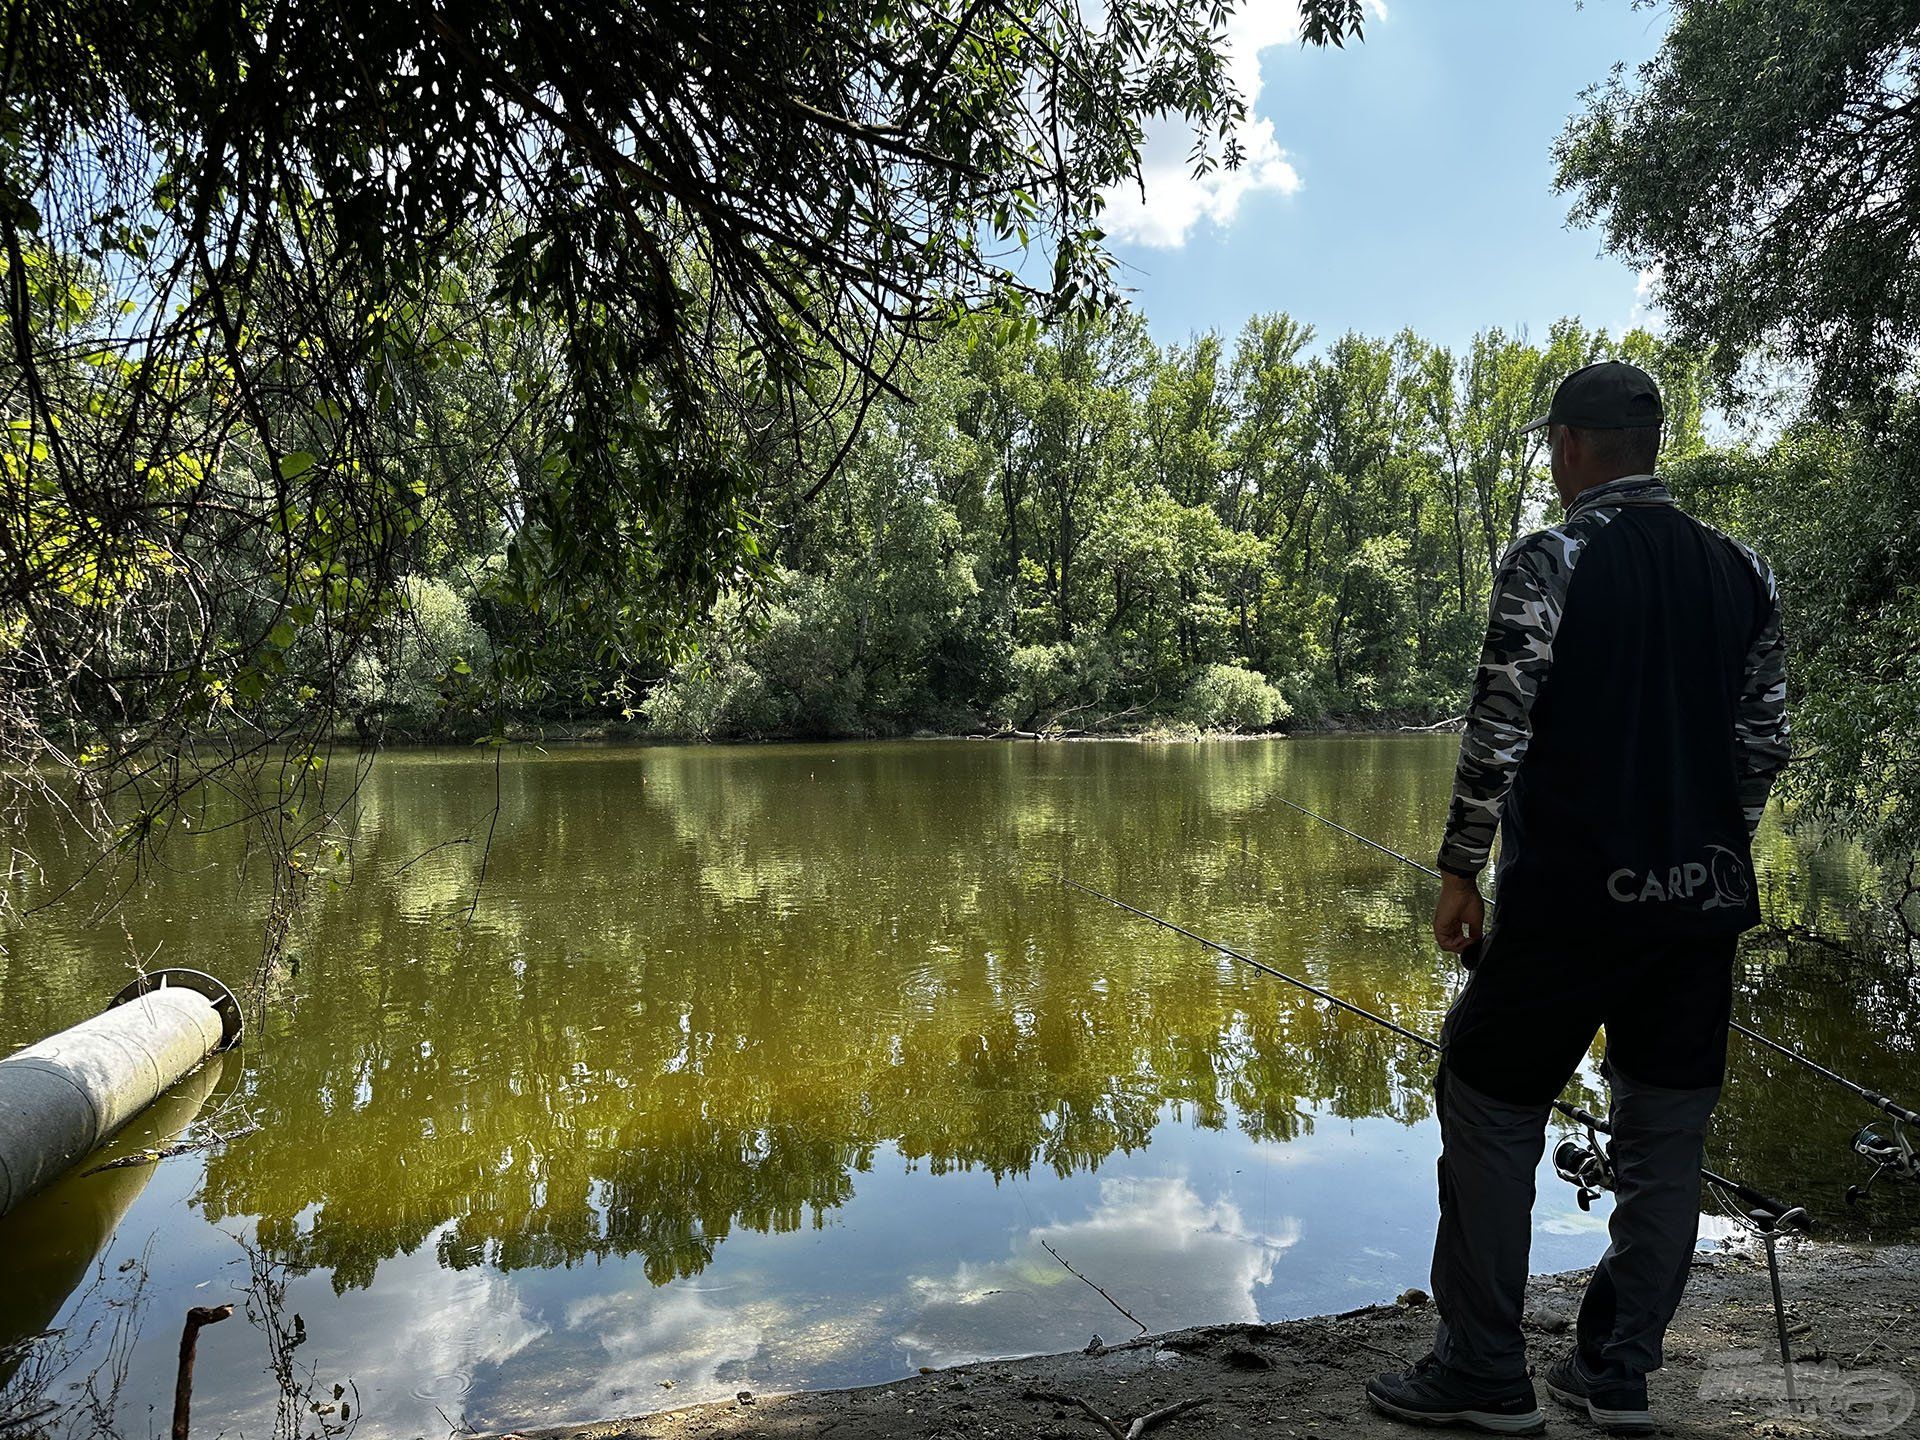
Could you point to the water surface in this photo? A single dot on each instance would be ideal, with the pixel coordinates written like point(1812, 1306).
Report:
point(767, 1067)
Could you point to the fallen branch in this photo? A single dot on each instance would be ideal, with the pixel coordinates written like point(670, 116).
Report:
point(1788, 931)
point(430, 850)
point(198, 1316)
point(1135, 1429)
point(1105, 720)
point(1103, 1294)
point(1094, 1415)
point(1437, 725)
point(1900, 906)
point(151, 1157)
point(1161, 1416)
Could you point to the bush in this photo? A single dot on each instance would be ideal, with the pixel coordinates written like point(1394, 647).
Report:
point(1229, 697)
point(808, 681)
point(1050, 678)
point(406, 676)
point(702, 698)
point(785, 672)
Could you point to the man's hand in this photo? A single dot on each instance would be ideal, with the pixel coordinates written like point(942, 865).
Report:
point(1461, 916)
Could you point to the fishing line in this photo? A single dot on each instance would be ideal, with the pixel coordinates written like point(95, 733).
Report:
point(1587, 1164)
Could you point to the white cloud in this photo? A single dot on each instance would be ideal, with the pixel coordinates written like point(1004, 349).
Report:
point(1175, 200)
point(1573, 1222)
point(1645, 306)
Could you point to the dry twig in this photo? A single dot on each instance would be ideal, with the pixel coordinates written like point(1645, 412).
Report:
point(1162, 1415)
point(167, 1152)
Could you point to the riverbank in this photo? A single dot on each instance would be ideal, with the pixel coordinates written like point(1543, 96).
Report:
point(1156, 731)
point(1855, 1314)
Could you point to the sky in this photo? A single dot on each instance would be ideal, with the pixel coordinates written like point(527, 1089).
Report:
point(1403, 181)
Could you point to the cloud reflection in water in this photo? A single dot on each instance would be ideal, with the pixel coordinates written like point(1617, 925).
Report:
point(1170, 1257)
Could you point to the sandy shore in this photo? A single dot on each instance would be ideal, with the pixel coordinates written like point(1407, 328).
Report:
point(1856, 1337)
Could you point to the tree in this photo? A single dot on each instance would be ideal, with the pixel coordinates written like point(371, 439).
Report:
point(1088, 383)
point(1763, 166)
point(676, 249)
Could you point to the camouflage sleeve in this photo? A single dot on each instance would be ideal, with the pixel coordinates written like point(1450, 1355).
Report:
point(1529, 591)
point(1760, 723)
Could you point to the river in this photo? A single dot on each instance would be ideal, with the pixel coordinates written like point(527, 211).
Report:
point(757, 1068)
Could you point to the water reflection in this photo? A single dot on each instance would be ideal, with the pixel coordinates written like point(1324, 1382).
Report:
point(706, 989)
point(773, 1066)
point(702, 1345)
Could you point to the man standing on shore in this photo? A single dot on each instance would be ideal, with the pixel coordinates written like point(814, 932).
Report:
point(1628, 718)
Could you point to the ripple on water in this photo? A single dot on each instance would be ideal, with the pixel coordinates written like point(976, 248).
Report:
point(443, 1389)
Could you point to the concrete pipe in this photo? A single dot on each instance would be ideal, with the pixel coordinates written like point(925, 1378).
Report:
point(64, 1097)
point(52, 1240)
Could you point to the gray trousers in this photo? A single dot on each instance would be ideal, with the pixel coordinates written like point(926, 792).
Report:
point(1490, 1150)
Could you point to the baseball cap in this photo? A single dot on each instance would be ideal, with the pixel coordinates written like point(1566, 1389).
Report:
point(1607, 395)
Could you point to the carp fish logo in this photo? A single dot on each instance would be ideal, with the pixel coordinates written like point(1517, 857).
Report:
point(1719, 881)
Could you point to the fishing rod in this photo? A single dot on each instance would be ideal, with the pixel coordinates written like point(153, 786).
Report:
point(1895, 1153)
point(1584, 1164)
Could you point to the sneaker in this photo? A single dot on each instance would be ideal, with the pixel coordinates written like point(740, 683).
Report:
point(1618, 1405)
point(1428, 1395)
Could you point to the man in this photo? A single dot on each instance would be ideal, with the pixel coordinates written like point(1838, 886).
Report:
point(1628, 718)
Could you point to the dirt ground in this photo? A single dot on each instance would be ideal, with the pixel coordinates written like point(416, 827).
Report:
point(1855, 1315)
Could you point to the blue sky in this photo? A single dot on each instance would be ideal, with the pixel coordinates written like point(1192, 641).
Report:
point(1403, 181)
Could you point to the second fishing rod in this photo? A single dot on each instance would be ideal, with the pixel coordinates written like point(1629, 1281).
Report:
point(1895, 1155)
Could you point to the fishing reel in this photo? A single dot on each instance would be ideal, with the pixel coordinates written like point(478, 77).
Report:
point(1891, 1153)
point(1583, 1163)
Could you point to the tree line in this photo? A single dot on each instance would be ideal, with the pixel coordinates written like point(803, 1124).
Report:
point(1078, 528)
